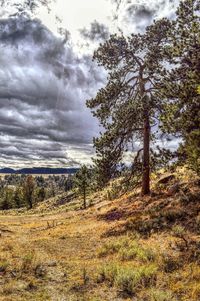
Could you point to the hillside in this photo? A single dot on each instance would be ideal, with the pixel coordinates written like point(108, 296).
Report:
point(124, 248)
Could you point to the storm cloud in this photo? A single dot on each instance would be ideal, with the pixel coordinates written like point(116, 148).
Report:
point(45, 81)
point(43, 88)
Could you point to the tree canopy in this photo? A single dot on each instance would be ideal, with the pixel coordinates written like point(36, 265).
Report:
point(152, 80)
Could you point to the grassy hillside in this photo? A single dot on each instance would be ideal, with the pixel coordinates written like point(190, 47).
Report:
point(120, 248)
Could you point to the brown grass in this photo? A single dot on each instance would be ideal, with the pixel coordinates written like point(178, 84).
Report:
point(61, 255)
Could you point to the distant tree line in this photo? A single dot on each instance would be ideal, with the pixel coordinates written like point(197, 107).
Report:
point(18, 191)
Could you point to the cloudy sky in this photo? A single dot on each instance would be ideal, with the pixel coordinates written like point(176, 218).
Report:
point(47, 74)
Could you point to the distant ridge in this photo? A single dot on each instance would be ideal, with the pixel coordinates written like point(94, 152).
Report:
point(39, 170)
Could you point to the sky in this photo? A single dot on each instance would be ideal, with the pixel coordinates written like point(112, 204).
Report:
point(47, 74)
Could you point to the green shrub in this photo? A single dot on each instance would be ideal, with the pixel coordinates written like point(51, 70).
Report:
point(108, 273)
point(178, 231)
point(109, 248)
point(128, 279)
point(134, 250)
point(160, 295)
point(127, 249)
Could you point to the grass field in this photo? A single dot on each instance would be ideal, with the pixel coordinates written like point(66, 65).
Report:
point(129, 248)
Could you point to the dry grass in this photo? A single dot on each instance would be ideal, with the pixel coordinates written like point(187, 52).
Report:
point(99, 254)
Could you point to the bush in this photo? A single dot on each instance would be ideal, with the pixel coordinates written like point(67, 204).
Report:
point(134, 250)
point(128, 279)
point(3, 266)
point(144, 227)
point(170, 263)
point(108, 273)
point(114, 191)
point(27, 262)
point(110, 248)
point(189, 197)
point(160, 295)
point(127, 249)
point(178, 231)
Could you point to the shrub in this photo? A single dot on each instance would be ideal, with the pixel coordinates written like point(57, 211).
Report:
point(10, 288)
point(134, 250)
point(108, 273)
point(144, 227)
point(128, 279)
point(170, 263)
point(27, 261)
point(185, 198)
point(173, 215)
point(127, 249)
point(109, 248)
point(3, 266)
point(179, 231)
point(160, 295)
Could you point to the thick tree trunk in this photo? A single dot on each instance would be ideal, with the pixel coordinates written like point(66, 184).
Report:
point(146, 156)
point(146, 138)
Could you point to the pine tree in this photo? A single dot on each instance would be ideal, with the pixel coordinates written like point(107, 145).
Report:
point(18, 198)
point(181, 115)
point(28, 191)
point(82, 181)
point(41, 194)
point(128, 106)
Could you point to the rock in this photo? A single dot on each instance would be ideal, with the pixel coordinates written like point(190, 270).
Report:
point(40, 271)
point(52, 264)
point(165, 179)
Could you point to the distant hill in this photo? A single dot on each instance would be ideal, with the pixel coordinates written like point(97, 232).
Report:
point(39, 170)
point(7, 170)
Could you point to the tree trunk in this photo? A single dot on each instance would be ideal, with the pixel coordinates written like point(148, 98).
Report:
point(146, 138)
point(146, 156)
point(84, 198)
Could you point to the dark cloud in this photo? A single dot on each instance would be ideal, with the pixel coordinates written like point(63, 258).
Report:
point(96, 32)
point(43, 88)
point(140, 15)
point(143, 12)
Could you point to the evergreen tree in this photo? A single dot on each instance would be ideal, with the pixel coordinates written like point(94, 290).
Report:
point(6, 200)
point(28, 190)
point(68, 184)
point(41, 194)
point(128, 105)
point(18, 197)
point(181, 115)
point(82, 181)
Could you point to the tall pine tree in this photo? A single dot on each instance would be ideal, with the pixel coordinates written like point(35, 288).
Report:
point(128, 105)
point(181, 114)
